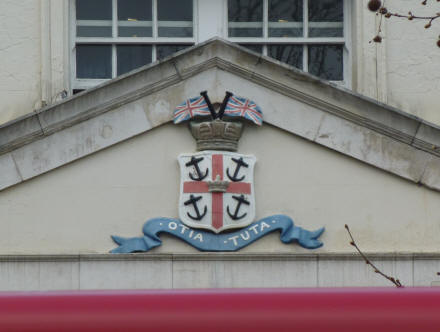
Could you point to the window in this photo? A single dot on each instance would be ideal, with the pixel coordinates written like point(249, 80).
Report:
point(308, 34)
point(113, 37)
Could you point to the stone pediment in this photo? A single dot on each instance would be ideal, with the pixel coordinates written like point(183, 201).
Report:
point(292, 100)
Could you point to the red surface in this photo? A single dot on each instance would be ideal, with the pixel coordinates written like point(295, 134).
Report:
point(202, 187)
point(239, 188)
point(387, 309)
point(217, 198)
point(195, 187)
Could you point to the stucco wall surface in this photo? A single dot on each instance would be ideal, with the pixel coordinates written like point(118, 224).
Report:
point(75, 208)
point(20, 60)
point(403, 70)
point(413, 62)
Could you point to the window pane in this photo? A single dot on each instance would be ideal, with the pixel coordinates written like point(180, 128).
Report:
point(164, 50)
point(94, 18)
point(132, 56)
point(93, 10)
point(175, 18)
point(290, 54)
point(285, 18)
point(326, 18)
point(325, 61)
point(245, 18)
point(93, 61)
point(254, 47)
point(135, 18)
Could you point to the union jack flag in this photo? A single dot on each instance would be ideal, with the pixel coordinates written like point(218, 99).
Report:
point(239, 106)
point(190, 108)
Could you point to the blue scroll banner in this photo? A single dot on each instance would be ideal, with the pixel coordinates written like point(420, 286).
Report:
point(207, 241)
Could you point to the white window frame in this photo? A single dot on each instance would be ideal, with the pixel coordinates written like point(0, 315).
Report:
point(206, 25)
point(80, 84)
point(265, 40)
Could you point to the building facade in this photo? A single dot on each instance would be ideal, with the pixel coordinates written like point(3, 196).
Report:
point(88, 148)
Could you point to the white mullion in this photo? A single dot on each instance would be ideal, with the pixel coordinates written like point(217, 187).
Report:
point(155, 25)
point(265, 26)
point(114, 35)
point(306, 35)
point(347, 54)
point(72, 49)
point(265, 18)
point(154, 53)
point(306, 18)
point(114, 18)
point(155, 32)
point(305, 58)
point(288, 40)
point(131, 40)
point(195, 26)
point(226, 18)
point(114, 61)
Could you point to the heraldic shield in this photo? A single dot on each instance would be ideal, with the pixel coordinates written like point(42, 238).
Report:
point(217, 190)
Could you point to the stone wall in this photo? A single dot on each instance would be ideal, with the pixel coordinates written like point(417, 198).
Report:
point(146, 271)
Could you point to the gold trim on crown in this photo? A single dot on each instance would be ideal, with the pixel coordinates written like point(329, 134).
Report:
point(216, 134)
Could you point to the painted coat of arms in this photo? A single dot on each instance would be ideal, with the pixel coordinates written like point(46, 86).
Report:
point(217, 194)
point(216, 190)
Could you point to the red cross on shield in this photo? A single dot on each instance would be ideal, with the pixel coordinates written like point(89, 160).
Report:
point(216, 190)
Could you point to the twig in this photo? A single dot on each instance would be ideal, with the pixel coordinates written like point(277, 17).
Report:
point(396, 282)
point(379, 7)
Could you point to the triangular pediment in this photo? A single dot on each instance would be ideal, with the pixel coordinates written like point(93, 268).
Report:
point(292, 100)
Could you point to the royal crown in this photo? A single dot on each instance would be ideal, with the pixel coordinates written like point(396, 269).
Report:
point(216, 134)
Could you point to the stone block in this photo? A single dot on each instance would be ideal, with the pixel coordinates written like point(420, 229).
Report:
point(80, 140)
point(351, 272)
point(373, 148)
point(125, 274)
point(428, 137)
point(279, 110)
point(59, 275)
point(19, 276)
point(19, 132)
point(431, 176)
point(8, 171)
point(244, 273)
point(425, 271)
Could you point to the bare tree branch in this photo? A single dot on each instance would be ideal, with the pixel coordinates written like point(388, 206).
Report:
point(396, 282)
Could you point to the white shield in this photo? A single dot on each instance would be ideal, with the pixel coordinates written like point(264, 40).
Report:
point(216, 190)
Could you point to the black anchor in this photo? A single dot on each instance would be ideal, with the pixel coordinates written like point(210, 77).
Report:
point(195, 162)
point(240, 200)
point(193, 200)
point(239, 163)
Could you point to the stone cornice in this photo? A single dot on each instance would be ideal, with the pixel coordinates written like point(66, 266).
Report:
point(382, 136)
point(220, 257)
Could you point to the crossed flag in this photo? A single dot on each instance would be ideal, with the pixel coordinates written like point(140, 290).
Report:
point(232, 106)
